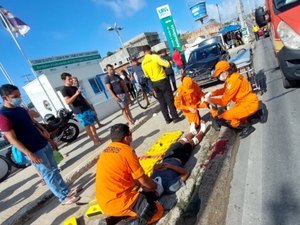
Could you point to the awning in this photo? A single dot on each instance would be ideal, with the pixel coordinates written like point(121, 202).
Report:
point(230, 28)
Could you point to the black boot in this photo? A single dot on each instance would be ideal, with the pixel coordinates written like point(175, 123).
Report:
point(246, 130)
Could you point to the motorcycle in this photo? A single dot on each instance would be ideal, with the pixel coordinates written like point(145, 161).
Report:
point(60, 129)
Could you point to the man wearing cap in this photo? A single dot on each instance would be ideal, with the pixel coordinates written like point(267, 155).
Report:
point(153, 67)
point(237, 89)
point(188, 100)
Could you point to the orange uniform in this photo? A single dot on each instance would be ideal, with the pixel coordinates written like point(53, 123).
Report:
point(117, 169)
point(237, 89)
point(188, 96)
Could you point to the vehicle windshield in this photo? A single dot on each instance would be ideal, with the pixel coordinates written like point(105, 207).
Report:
point(204, 53)
point(285, 4)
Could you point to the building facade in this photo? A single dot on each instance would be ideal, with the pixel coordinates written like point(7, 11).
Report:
point(85, 66)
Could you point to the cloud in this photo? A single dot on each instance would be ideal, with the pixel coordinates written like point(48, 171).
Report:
point(123, 8)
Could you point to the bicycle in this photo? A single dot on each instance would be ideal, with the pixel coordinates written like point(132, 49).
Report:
point(143, 95)
point(5, 168)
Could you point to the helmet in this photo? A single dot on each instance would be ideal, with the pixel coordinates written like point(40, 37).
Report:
point(62, 113)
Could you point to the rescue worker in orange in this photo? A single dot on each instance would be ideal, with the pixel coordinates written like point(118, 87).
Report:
point(188, 100)
point(117, 175)
point(237, 89)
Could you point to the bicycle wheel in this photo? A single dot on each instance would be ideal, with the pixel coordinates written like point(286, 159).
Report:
point(5, 168)
point(141, 100)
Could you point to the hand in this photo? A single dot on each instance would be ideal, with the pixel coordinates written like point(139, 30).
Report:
point(78, 92)
point(118, 99)
point(207, 97)
point(192, 110)
point(34, 158)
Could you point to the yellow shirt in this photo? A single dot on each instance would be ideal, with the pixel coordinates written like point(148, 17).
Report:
point(153, 67)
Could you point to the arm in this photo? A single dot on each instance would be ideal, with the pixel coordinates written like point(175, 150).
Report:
point(112, 93)
point(162, 62)
point(11, 137)
point(147, 182)
point(184, 174)
point(70, 100)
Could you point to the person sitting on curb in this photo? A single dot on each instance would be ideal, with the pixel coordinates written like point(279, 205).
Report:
point(188, 100)
point(237, 89)
point(170, 173)
point(117, 175)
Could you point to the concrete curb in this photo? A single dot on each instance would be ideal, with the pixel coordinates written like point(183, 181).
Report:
point(186, 195)
point(26, 211)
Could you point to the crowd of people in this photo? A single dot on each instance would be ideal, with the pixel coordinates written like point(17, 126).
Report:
point(122, 187)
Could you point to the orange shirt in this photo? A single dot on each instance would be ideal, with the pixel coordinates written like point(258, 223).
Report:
point(117, 169)
point(236, 88)
point(185, 99)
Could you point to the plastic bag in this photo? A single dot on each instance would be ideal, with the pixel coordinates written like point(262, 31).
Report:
point(18, 156)
point(57, 156)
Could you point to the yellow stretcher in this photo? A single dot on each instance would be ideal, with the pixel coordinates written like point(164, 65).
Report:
point(147, 161)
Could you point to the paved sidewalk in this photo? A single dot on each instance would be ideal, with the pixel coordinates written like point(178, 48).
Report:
point(22, 192)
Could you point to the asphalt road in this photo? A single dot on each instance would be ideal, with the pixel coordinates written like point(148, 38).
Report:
point(265, 189)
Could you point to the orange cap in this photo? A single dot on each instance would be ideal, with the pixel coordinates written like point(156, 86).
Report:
point(187, 84)
point(220, 67)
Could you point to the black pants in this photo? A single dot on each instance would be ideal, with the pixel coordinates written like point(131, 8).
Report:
point(165, 98)
point(179, 151)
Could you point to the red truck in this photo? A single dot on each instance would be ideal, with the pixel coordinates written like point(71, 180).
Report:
point(283, 18)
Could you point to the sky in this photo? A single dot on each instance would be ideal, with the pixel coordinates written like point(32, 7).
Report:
point(65, 27)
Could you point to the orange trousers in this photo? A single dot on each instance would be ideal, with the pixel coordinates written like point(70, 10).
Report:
point(240, 111)
point(193, 117)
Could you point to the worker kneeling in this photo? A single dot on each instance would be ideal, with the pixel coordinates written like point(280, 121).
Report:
point(118, 173)
point(188, 100)
point(237, 89)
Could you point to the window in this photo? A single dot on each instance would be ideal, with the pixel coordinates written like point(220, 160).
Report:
point(95, 86)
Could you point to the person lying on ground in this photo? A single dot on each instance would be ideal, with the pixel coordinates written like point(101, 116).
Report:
point(118, 171)
point(170, 173)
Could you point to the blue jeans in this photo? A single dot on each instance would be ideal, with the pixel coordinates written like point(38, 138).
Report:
point(49, 171)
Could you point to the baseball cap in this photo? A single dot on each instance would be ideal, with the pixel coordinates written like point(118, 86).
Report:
point(220, 67)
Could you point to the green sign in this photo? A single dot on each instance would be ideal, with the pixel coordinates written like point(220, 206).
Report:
point(168, 25)
point(64, 62)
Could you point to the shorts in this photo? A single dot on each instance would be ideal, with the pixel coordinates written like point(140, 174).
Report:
point(87, 117)
point(124, 100)
point(146, 85)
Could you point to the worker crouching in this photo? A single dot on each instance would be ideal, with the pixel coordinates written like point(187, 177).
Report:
point(238, 90)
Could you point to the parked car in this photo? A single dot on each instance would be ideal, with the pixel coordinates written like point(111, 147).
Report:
point(203, 60)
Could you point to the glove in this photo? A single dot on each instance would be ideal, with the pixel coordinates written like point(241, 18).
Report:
point(193, 128)
point(207, 97)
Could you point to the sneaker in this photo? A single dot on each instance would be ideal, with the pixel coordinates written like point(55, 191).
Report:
point(178, 119)
point(169, 121)
point(70, 200)
point(246, 131)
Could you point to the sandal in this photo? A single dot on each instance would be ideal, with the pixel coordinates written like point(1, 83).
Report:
point(70, 200)
point(74, 191)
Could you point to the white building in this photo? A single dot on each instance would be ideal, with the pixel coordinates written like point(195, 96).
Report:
point(85, 66)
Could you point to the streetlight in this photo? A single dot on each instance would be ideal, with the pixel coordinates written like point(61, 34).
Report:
point(219, 13)
point(116, 28)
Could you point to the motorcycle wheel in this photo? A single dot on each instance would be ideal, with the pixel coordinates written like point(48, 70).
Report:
point(71, 132)
point(11, 159)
